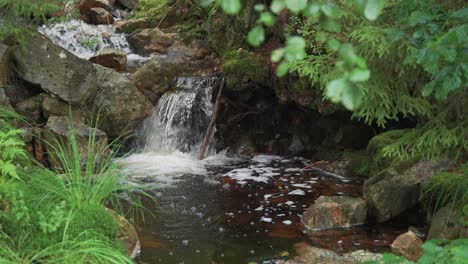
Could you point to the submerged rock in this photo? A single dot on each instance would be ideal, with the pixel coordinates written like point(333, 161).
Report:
point(57, 131)
point(55, 70)
point(111, 58)
point(408, 245)
point(446, 224)
point(390, 193)
point(335, 211)
point(120, 104)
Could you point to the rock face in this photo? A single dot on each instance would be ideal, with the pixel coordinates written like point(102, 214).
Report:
point(55, 70)
point(4, 102)
point(130, 4)
point(98, 16)
point(408, 245)
point(446, 224)
point(120, 104)
point(335, 211)
point(152, 40)
point(130, 25)
point(31, 108)
point(5, 52)
point(53, 106)
point(391, 192)
point(155, 77)
point(245, 71)
point(86, 5)
point(111, 58)
point(57, 130)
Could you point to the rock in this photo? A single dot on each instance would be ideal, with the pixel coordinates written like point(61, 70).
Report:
point(131, 25)
point(5, 53)
point(57, 131)
point(98, 16)
point(446, 224)
point(4, 102)
point(408, 245)
point(152, 40)
point(197, 50)
point(86, 5)
point(31, 108)
point(391, 192)
point(155, 77)
point(245, 71)
point(308, 254)
point(130, 4)
point(111, 58)
point(55, 70)
point(120, 104)
point(53, 106)
point(335, 211)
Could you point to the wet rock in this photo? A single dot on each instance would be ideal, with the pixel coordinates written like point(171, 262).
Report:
point(98, 16)
point(131, 25)
point(120, 104)
point(53, 106)
point(197, 50)
point(86, 5)
point(57, 131)
point(155, 77)
point(446, 224)
point(245, 71)
point(391, 192)
point(309, 254)
point(152, 40)
point(31, 108)
point(55, 70)
point(111, 58)
point(130, 4)
point(335, 211)
point(408, 245)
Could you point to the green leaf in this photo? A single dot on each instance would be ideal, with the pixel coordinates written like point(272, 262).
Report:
point(256, 36)
point(312, 10)
point(333, 44)
point(334, 90)
point(231, 7)
point(277, 6)
point(352, 97)
point(259, 7)
point(296, 6)
point(282, 69)
point(295, 48)
point(321, 36)
point(267, 18)
point(206, 3)
point(373, 9)
point(359, 75)
point(277, 55)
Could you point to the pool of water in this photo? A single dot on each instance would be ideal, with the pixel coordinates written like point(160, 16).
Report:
point(225, 210)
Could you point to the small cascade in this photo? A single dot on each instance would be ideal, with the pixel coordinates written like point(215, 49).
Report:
point(180, 118)
point(84, 40)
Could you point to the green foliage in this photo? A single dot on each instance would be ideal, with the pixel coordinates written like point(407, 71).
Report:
point(447, 189)
point(242, 67)
point(96, 219)
point(19, 18)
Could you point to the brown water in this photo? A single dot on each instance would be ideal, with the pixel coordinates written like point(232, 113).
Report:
point(247, 211)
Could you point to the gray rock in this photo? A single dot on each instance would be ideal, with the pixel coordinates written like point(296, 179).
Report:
point(53, 106)
point(98, 16)
point(4, 102)
point(31, 108)
point(131, 25)
point(86, 5)
point(111, 58)
point(5, 53)
point(120, 104)
point(55, 70)
point(391, 193)
point(335, 211)
point(445, 223)
point(57, 133)
point(130, 4)
point(152, 40)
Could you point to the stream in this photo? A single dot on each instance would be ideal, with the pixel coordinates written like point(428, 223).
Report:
point(226, 208)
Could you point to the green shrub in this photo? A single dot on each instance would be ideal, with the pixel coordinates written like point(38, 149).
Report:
point(94, 218)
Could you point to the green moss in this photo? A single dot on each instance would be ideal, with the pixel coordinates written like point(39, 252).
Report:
point(96, 219)
point(447, 189)
point(359, 164)
point(244, 70)
point(378, 161)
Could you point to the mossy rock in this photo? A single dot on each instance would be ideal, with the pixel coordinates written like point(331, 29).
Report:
point(359, 163)
point(245, 70)
point(378, 162)
point(94, 218)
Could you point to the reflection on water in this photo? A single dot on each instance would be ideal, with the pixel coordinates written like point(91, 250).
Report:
point(225, 210)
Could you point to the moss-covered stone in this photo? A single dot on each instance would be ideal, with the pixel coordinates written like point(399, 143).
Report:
point(358, 165)
point(378, 161)
point(245, 70)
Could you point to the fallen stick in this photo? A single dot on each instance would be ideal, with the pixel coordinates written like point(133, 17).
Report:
point(209, 131)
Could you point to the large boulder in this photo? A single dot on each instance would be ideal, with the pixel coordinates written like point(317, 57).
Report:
point(98, 16)
point(55, 70)
point(31, 108)
point(245, 71)
point(446, 223)
point(155, 77)
point(53, 106)
point(392, 192)
point(131, 25)
point(111, 58)
point(120, 104)
point(86, 5)
point(335, 211)
point(152, 40)
point(130, 4)
point(57, 133)
point(408, 245)
point(5, 52)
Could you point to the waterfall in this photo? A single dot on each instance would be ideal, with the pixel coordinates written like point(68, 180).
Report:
point(180, 118)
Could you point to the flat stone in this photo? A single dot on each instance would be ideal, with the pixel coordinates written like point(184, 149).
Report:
point(111, 58)
point(408, 245)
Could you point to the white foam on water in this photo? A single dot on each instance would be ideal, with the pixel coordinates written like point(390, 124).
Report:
point(265, 158)
point(297, 192)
